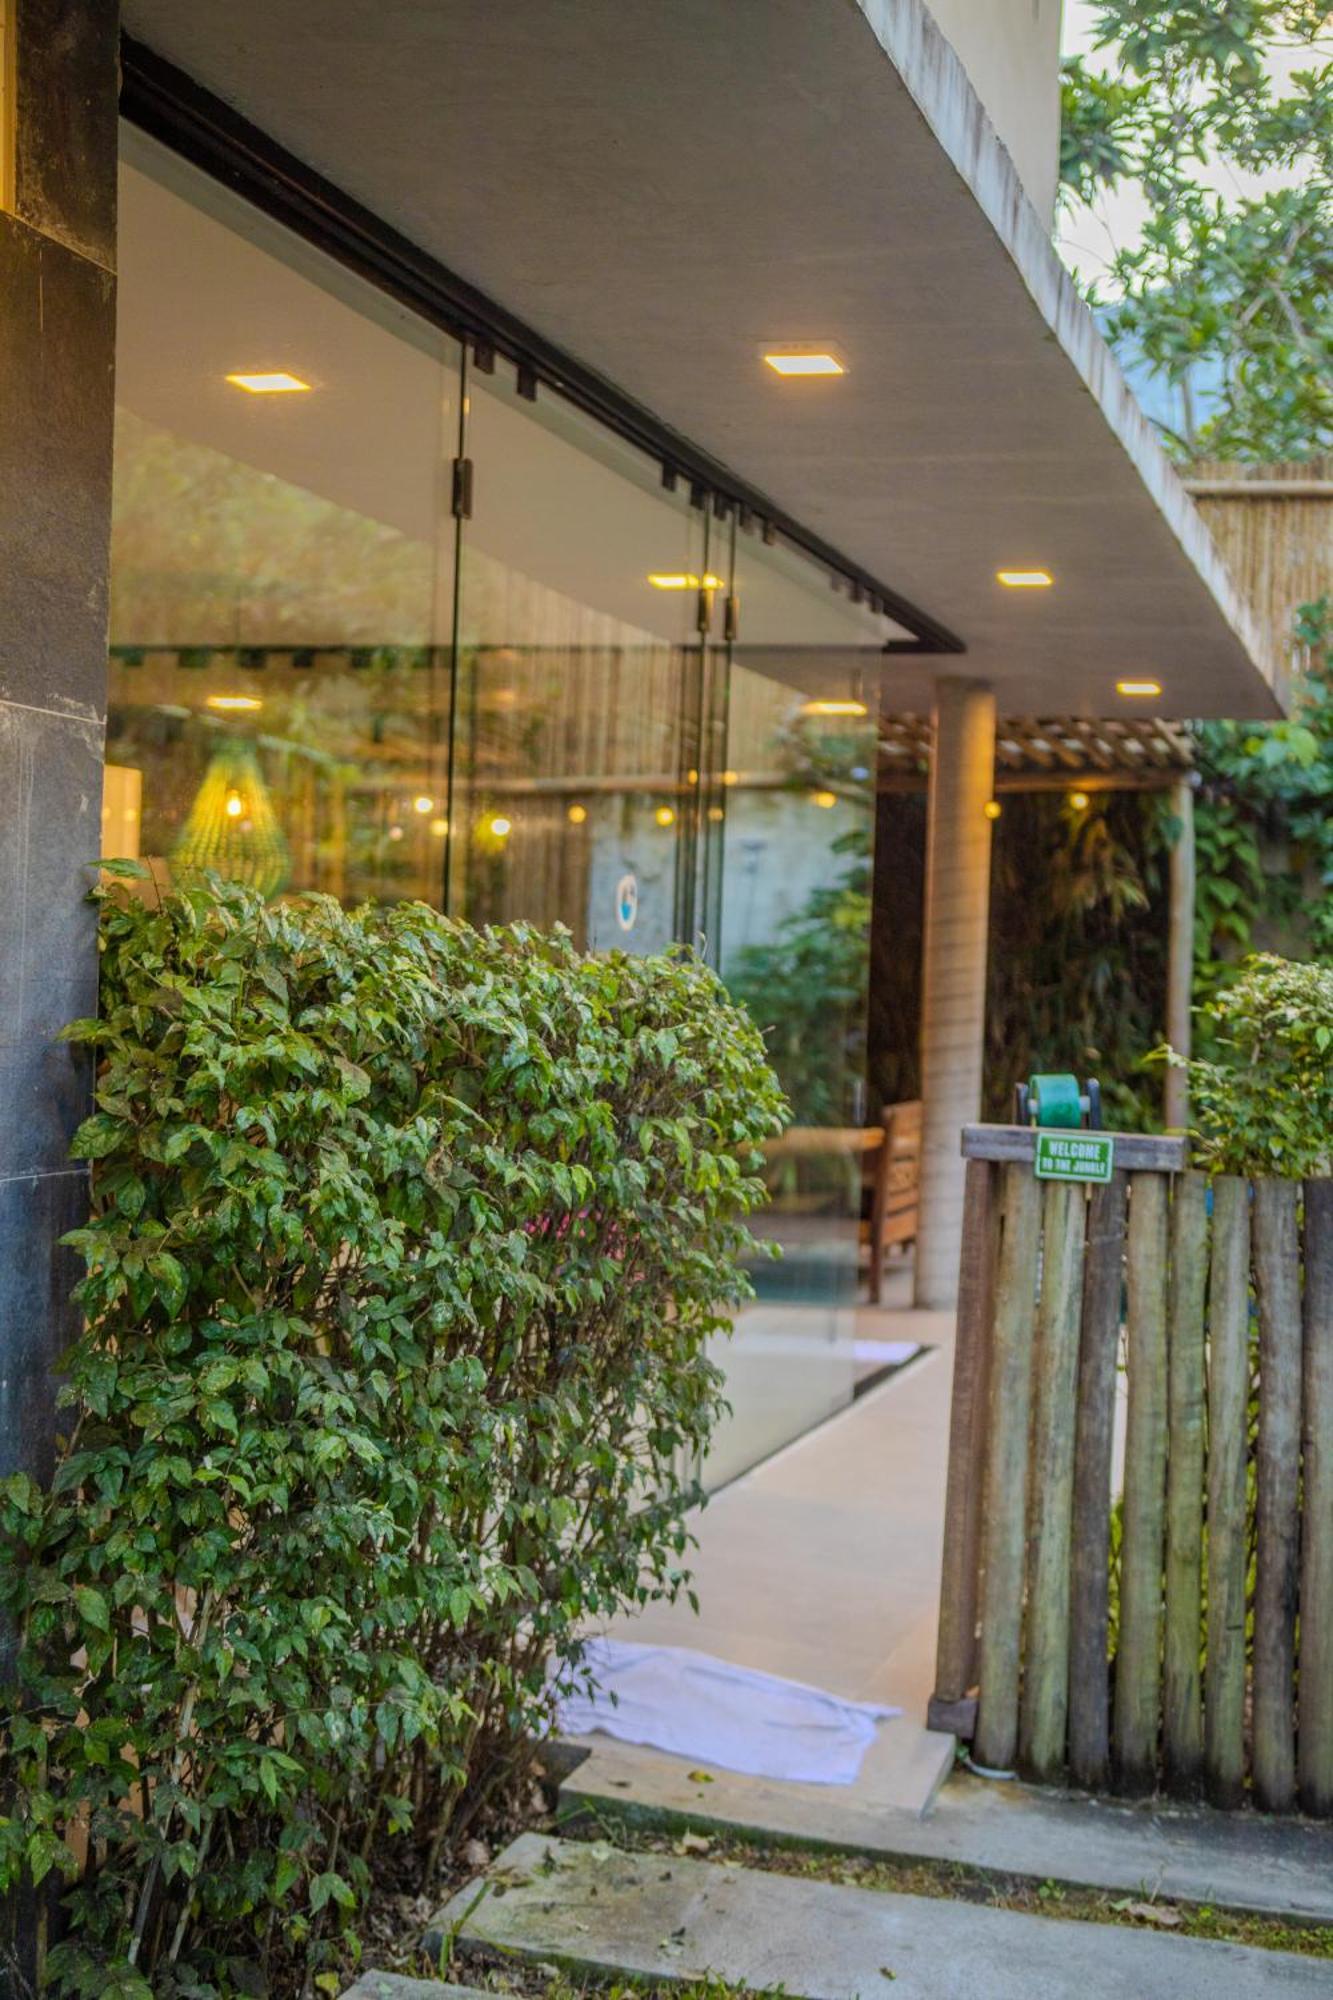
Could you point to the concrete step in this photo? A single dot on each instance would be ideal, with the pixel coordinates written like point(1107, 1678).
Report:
point(598, 1909)
point(1235, 1861)
point(393, 1986)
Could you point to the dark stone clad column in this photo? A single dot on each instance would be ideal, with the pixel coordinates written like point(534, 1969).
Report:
point(57, 354)
point(57, 344)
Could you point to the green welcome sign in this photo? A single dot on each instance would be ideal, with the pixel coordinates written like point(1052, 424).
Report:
point(1075, 1156)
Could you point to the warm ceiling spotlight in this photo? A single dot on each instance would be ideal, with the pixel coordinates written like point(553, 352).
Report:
point(716, 813)
point(1025, 579)
point(676, 579)
point(834, 708)
point(665, 815)
point(277, 383)
point(576, 815)
point(730, 777)
point(992, 808)
point(395, 833)
point(439, 827)
point(234, 704)
point(825, 799)
point(1079, 801)
point(804, 362)
point(235, 805)
point(1138, 687)
point(422, 804)
point(499, 826)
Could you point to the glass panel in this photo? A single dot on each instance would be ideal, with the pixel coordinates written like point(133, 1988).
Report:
point(281, 556)
point(576, 751)
point(798, 786)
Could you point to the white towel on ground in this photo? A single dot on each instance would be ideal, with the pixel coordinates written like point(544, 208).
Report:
point(717, 1713)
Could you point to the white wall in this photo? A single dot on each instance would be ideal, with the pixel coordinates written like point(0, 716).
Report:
point(1011, 51)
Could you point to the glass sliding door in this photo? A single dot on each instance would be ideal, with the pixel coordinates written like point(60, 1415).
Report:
point(601, 698)
point(796, 796)
point(583, 585)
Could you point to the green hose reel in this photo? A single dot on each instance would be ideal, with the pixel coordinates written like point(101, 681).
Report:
point(1056, 1101)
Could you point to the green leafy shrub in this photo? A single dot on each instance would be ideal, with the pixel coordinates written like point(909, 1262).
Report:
point(1262, 1098)
point(406, 1243)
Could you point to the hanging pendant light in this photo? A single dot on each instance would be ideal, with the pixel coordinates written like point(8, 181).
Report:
point(232, 828)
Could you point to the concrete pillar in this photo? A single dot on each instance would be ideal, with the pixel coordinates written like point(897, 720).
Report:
point(953, 985)
point(1180, 953)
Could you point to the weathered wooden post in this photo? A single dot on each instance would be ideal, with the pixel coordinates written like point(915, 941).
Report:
point(1138, 1656)
point(1006, 1489)
point(1228, 1392)
point(1182, 1691)
point(1277, 1285)
point(1089, 1663)
point(1315, 1744)
point(956, 1650)
point(1045, 1703)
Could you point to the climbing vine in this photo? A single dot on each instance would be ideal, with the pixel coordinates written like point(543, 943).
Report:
point(1264, 828)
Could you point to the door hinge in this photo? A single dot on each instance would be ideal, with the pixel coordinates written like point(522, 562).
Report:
point(462, 489)
point(732, 627)
point(703, 611)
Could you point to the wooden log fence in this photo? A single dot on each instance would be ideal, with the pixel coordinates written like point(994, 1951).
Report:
point(1137, 1590)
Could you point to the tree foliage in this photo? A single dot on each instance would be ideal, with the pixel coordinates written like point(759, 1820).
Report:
point(406, 1245)
point(1265, 835)
point(1262, 1097)
point(1227, 301)
point(1227, 295)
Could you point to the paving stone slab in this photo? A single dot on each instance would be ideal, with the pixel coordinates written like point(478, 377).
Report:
point(1235, 1861)
point(597, 1908)
point(393, 1986)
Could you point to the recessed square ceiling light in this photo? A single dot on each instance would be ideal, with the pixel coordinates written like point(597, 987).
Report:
point(1145, 687)
point(800, 361)
point(1025, 579)
point(279, 383)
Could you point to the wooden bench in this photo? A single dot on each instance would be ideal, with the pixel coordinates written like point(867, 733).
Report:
point(891, 1167)
point(894, 1173)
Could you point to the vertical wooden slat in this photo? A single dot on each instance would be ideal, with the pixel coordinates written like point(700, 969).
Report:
point(1138, 1653)
point(1103, 1279)
point(1315, 1743)
point(1228, 1390)
point(1044, 1710)
point(1004, 1528)
point(1277, 1287)
point(1182, 1690)
point(955, 1660)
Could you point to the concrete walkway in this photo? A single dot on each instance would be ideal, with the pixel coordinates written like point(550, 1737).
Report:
point(601, 1910)
point(822, 1565)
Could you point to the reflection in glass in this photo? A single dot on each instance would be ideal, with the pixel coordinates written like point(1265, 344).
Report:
point(798, 793)
point(576, 758)
point(280, 577)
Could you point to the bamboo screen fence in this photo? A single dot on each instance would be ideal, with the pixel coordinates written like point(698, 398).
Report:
point(1167, 1622)
point(1273, 525)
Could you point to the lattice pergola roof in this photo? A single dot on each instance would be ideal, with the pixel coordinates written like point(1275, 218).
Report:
point(1036, 754)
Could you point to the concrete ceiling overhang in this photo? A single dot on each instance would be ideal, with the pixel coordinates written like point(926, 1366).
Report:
point(665, 189)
